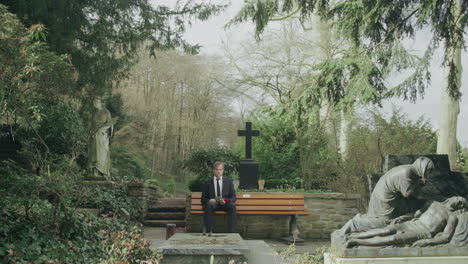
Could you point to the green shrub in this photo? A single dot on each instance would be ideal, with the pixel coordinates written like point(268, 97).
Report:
point(108, 199)
point(126, 165)
point(41, 235)
point(128, 246)
point(290, 255)
point(196, 185)
point(371, 137)
point(38, 222)
point(284, 190)
point(154, 182)
point(170, 187)
point(276, 150)
point(200, 162)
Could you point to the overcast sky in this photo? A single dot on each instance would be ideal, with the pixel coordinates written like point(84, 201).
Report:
point(211, 33)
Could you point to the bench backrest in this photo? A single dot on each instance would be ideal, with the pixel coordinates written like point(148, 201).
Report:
point(260, 203)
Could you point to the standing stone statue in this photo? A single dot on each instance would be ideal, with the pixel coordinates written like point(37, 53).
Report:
point(101, 128)
point(388, 202)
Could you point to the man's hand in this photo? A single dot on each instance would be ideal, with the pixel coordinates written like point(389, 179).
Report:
point(420, 243)
point(222, 202)
point(400, 219)
point(212, 201)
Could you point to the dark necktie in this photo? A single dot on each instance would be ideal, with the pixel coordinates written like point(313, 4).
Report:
point(218, 190)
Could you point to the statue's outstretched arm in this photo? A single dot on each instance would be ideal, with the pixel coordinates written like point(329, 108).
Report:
point(414, 215)
point(403, 218)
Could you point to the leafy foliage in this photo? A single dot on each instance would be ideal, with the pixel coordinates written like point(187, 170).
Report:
point(295, 148)
point(126, 165)
point(30, 72)
point(262, 12)
point(200, 162)
point(374, 30)
point(108, 199)
point(35, 236)
point(170, 187)
point(102, 37)
point(59, 131)
point(317, 257)
point(128, 246)
point(36, 94)
point(300, 158)
point(276, 150)
point(39, 223)
point(285, 190)
point(372, 136)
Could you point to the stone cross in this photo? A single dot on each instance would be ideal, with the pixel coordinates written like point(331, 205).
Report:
point(248, 133)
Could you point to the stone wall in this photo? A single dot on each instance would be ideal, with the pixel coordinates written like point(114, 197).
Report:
point(328, 212)
point(146, 194)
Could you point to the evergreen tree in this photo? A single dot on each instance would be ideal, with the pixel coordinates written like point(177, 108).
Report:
point(376, 29)
point(102, 37)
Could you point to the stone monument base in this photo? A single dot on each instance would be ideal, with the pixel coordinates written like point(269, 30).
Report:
point(333, 259)
point(190, 248)
point(408, 255)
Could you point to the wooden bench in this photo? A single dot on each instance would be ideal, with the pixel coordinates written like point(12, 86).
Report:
point(263, 204)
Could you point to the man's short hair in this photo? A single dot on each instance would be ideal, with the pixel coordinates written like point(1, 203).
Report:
point(218, 163)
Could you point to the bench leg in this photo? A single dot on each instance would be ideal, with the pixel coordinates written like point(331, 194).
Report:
point(293, 225)
point(293, 237)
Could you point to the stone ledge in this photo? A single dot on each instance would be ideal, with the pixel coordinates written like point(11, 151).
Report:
point(333, 259)
point(332, 196)
point(135, 184)
point(99, 183)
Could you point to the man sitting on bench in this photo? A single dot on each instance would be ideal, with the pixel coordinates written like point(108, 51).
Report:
point(218, 194)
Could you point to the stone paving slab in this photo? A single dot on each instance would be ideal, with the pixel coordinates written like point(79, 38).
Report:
point(198, 244)
point(157, 235)
point(193, 248)
point(261, 251)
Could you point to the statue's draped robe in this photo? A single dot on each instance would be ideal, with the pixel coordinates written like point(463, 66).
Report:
point(460, 235)
point(98, 149)
point(388, 199)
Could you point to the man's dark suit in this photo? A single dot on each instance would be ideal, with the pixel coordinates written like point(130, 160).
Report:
point(208, 192)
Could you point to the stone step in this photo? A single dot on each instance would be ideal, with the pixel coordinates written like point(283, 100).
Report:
point(162, 223)
point(172, 201)
point(165, 216)
point(168, 205)
point(165, 209)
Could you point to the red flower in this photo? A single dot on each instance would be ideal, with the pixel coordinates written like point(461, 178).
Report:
point(226, 200)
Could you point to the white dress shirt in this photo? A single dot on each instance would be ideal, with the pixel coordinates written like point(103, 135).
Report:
point(220, 186)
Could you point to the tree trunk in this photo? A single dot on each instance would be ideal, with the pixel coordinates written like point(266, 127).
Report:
point(450, 108)
point(344, 128)
point(326, 113)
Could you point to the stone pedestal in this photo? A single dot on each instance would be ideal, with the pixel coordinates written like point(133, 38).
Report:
point(194, 248)
point(248, 174)
point(332, 259)
point(423, 255)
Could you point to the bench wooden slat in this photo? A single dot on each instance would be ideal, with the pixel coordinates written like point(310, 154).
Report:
point(256, 213)
point(260, 208)
point(197, 195)
point(259, 202)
